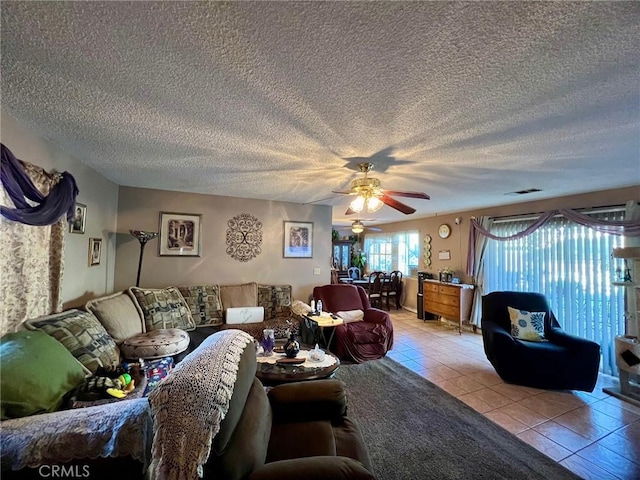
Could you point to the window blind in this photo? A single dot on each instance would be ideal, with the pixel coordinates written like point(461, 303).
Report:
point(572, 266)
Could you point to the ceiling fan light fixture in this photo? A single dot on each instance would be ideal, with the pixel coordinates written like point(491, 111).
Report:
point(374, 204)
point(357, 227)
point(358, 204)
point(369, 195)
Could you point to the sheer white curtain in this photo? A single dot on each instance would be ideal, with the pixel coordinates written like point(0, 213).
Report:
point(571, 265)
point(478, 271)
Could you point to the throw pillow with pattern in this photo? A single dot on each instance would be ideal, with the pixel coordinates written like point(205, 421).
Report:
point(276, 300)
point(204, 303)
point(527, 325)
point(82, 334)
point(163, 308)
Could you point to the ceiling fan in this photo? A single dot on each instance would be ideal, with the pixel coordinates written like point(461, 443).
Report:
point(358, 227)
point(371, 197)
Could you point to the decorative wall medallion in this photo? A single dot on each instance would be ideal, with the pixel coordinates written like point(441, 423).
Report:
point(427, 251)
point(244, 237)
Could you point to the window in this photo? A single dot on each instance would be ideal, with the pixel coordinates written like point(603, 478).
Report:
point(572, 266)
point(393, 251)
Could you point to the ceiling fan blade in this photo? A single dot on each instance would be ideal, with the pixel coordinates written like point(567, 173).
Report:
point(349, 211)
point(373, 229)
point(349, 192)
point(321, 200)
point(393, 203)
point(398, 193)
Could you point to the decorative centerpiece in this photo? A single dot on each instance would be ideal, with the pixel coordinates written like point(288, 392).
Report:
point(446, 275)
point(292, 347)
point(317, 354)
point(268, 342)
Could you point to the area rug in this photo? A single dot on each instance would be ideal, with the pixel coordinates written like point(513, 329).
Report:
point(415, 430)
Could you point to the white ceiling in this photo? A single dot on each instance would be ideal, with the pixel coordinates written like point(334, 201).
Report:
point(280, 100)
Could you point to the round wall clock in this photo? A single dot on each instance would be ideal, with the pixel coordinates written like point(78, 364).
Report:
point(444, 230)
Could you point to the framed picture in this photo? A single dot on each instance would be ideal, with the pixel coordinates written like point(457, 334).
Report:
point(95, 251)
point(298, 239)
point(179, 235)
point(79, 218)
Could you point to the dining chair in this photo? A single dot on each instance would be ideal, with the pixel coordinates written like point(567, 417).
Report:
point(376, 280)
point(354, 273)
point(393, 288)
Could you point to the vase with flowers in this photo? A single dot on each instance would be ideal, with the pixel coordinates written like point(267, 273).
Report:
point(446, 274)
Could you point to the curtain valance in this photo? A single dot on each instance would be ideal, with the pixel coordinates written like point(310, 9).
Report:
point(48, 209)
point(629, 228)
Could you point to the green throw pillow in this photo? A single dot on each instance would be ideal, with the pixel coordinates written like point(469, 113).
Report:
point(36, 372)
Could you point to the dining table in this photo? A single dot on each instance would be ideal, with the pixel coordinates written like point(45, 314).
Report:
point(361, 282)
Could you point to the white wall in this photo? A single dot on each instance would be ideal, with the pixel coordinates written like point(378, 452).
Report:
point(100, 195)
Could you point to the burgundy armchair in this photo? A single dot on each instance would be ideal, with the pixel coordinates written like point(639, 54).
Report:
point(369, 339)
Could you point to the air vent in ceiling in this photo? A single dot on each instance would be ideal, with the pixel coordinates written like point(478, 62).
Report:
point(523, 192)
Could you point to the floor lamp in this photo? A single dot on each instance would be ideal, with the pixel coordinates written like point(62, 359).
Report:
point(143, 237)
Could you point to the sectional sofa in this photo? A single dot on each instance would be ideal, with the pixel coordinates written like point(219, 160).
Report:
point(43, 364)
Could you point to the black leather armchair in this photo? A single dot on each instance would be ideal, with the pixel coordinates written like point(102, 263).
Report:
point(564, 362)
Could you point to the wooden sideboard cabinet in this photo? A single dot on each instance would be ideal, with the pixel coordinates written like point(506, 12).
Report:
point(449, 300)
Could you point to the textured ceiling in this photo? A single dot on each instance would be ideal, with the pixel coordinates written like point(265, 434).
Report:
point(280, 100)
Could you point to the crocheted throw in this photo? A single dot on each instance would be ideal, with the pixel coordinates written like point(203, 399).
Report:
point(189, 405)
point(110, 430)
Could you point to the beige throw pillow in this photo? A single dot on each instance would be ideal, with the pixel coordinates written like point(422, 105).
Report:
point(245, 295)
point(351, 316)
point(118, 315)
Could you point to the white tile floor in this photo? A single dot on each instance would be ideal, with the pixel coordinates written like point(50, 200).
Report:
point(593, 434)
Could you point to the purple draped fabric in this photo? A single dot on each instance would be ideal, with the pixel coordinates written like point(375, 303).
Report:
point(629, 228)
point(49, 209)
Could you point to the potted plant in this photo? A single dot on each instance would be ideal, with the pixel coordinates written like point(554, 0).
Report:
point(359, 259)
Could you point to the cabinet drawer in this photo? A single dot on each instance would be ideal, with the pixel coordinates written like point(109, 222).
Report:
point(448, 300)
point(432, 297)
point(430, 287)
point(447, 290)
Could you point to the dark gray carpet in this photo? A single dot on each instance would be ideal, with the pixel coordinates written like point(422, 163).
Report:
point(415, 430)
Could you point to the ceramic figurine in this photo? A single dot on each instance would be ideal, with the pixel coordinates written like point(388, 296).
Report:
point(292, 347)
point(268, 342)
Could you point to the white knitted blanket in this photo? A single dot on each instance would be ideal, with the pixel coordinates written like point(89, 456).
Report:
point(189, 405)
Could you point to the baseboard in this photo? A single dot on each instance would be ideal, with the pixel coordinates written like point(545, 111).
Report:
point(615, 392)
